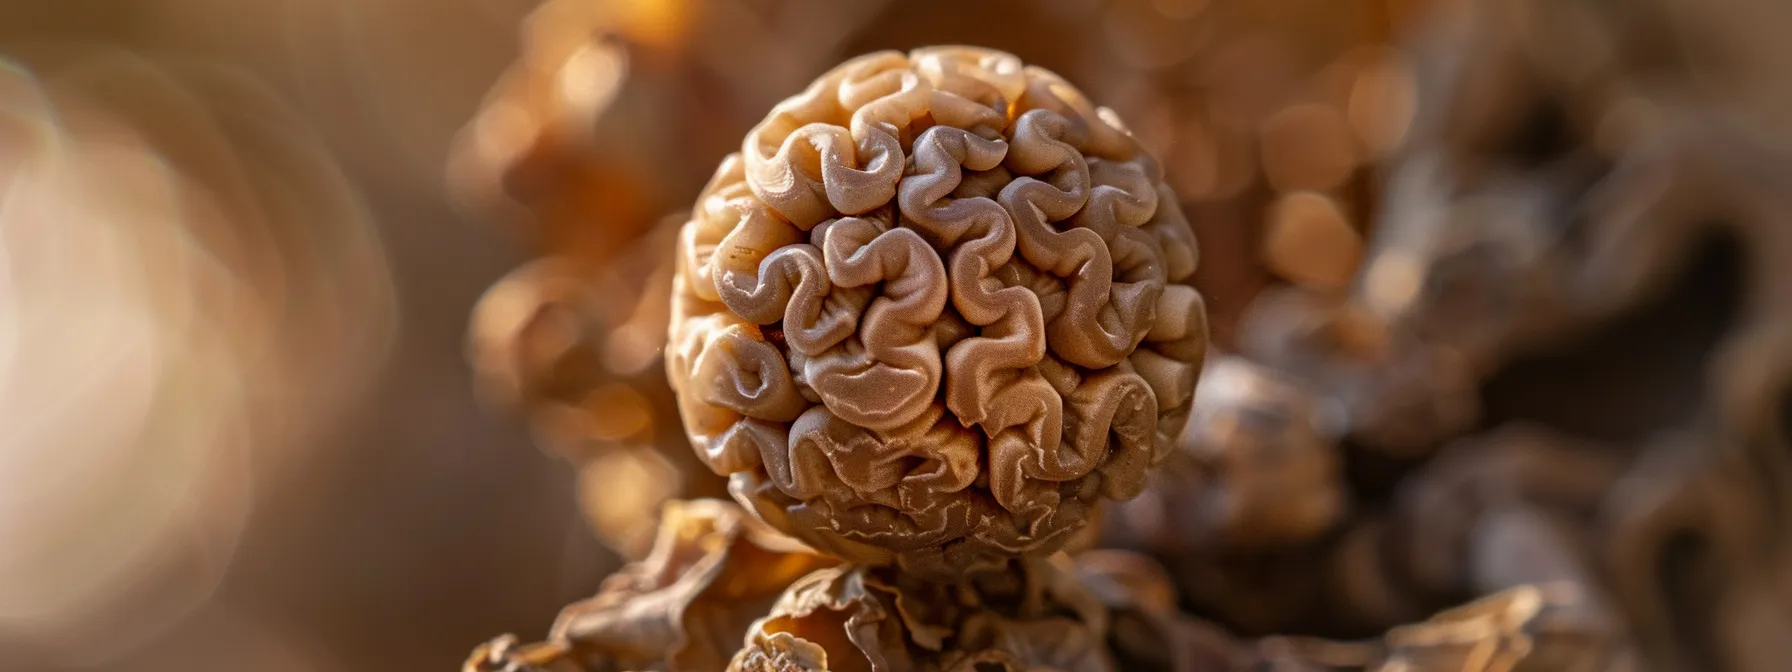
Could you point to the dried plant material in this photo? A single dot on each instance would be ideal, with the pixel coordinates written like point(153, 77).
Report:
point(1584, 194)
point(610, 117)
point(1257, 467)
point(1399, 394)
point(530, 151)
point(522, 155)
point(1553, 179)
point(555, 332)
point(1122, 578)
point(1254, 101)
point(1515, 222)
point(614, 110)
point(575, 352)
point(1543, 626)
point(1499, 509)
point(507, 654)
point(1034, 616)
point(1693, 543)
point(1490, 512)
point(531, 340)
point(1145, 629)
point(1527, 628)
point(1592, 188)
point(933, 313)
point(1147, 632)
point(835, 319)
point(1268, 448)
point(686, 606)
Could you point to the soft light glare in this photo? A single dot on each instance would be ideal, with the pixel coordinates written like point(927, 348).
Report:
point(120, 402)
point(165, 339)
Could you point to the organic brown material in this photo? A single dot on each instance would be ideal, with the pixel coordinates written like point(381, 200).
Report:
point(1360, 463)
point(1034, 617)
point(1257, 467)
point(686, 606)
point(1145, 629)
point(614, 111)
point(560, 344)
point(575, 352)
point(1530, 627)
point(1398, 394)
point(934, 312)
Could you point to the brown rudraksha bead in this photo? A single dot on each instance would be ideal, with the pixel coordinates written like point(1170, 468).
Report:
point(934, 312)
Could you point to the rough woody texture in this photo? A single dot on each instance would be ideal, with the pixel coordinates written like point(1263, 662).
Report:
point(686, 606)
point(934, 312)
point(1035, 617)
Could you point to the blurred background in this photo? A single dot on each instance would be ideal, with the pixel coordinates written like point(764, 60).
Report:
point(237, 426)
point(254, 413)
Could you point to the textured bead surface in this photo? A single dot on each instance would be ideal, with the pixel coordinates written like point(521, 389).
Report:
point(934, 312)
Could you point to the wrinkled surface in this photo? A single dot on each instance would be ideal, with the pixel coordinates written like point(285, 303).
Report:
point(609, 118)
point(712, 571)
point(1034, 617)
point(934, 312)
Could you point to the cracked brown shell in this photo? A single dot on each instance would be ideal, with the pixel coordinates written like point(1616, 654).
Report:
point(712, 571)
point(934, 312)
point(1033, 616)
